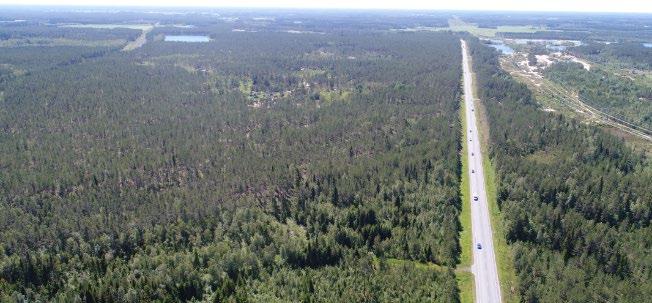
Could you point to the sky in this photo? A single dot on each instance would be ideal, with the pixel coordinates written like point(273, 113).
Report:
point(640, 6)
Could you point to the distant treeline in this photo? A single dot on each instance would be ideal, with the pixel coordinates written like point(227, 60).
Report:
point(31, 31)
point(625, 54)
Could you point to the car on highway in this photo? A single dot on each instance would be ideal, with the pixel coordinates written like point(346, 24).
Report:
point(479, 246)
point(473, 171)
point(471, 154)
point(475, 198)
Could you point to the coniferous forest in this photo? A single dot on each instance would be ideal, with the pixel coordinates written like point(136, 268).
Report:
point(257, 167)
point(576, 201)
point(301, 156)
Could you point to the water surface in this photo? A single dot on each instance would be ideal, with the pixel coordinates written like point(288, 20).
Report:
point(556, 47)
point(185, 38)
point(501, 47)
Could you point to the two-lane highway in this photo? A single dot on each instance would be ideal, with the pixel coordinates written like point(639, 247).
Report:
point(487, 287)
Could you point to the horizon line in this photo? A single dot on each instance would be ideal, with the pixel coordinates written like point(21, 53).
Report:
point(137, 6)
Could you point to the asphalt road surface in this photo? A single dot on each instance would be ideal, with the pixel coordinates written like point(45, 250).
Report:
point(487, 287)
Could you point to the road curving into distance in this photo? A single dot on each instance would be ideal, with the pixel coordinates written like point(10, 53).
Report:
point(484, 269)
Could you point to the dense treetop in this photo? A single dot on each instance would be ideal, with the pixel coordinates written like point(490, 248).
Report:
point(259, 166)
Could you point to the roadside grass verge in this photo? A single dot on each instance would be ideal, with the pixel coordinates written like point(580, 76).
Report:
point(466, 256)
point(504, 256)
point(464, 277)
point(503, 253)
point(419, 265)
point(466, 284)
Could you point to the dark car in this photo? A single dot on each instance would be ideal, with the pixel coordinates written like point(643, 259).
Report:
point(475, 198)
point(479, 246)
point(472, 171)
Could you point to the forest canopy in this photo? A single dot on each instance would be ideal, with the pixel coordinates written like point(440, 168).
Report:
point(306, 157)
point(260, 166)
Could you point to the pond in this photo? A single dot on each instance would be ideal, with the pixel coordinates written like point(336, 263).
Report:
point(501, 47)
point(549, 42)
point(184, 38)
point(558, 48)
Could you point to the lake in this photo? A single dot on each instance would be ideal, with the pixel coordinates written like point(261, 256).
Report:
point(501, 47)
point(556, 47)
point(548, 41)
point(184, 38)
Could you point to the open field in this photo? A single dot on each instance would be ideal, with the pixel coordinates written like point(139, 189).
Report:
point(458, 25)
point(140, 41)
